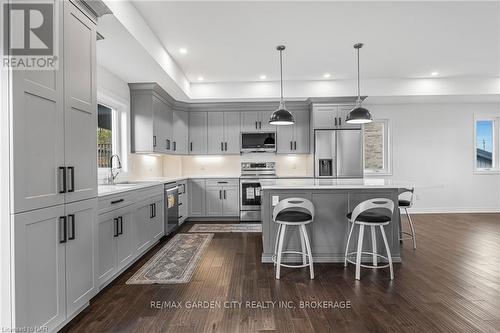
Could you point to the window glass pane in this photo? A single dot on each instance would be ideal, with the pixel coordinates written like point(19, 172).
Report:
point(484, 143)
point(374, 146)
point(104, 135)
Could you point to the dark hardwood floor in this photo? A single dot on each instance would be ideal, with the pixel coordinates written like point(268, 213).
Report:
point(451, 283)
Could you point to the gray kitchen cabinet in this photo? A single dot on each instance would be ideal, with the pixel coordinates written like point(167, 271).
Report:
point(328, 116)
point(198, 132)
point(156, 222)
point(256, 121)
point(151, 118)
point(196, 194)
point(143, 214)
point(223, 132)
point(215, 132)
point(294, 139)
point(180, 138)
point(183, 201)
point(54, 120)
point(222, 197)
point(213, 199)
point(125, 247)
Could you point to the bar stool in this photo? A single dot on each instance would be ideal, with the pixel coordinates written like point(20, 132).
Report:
point(363, 216)
point(293, 212)
point(405, 202)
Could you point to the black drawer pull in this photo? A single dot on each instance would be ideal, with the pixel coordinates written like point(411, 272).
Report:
point(71, 171)
point(117, 201)
point(64, 232)
point(63, 177)
point(222, 182)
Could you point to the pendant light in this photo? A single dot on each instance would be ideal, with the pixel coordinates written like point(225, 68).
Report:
point(358, 115)
point(281, 116)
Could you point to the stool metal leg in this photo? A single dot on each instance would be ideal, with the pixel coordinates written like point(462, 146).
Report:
point(389, 256)
point(280, 249)
point(309, 252)
point(374, 246)
point(276, 241)
point(347, 246)
point(412, 229)
point(303, 247)
point(360, 249)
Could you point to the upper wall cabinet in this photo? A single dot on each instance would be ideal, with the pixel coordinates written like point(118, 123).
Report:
point(223, 132)
point(151, 119)
point(180, 127)
point(54, 121)
point(330, 116)
point(294, 139)
point(256, 121)
point(197, 132)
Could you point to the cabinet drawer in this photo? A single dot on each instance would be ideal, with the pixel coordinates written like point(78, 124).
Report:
point(112, 202)
point(149, 192)
point(223, 182)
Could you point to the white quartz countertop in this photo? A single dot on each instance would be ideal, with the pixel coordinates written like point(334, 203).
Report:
point(135, 184)
point(315, 183)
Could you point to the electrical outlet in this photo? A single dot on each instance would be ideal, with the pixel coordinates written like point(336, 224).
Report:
point(275, 199)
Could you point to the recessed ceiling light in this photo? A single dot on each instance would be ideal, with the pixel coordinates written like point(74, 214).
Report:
point(183, 50)
point(200, 78)
point(326, 75)
point(262, 77)
point(435, 73)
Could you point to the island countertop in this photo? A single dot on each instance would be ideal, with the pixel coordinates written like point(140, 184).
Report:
point(328, 183)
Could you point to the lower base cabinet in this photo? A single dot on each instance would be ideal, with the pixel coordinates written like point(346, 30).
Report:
point(148, 223)
point(56, 278)
point(214, 197)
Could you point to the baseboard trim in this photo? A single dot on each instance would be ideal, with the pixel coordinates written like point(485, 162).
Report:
point(454, 210)
point(213, 219)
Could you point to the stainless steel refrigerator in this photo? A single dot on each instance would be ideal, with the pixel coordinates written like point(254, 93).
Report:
point(338, 153)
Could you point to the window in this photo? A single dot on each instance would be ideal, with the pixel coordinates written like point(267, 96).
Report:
point(104, 135)
point(376, 147)
point(486, 144)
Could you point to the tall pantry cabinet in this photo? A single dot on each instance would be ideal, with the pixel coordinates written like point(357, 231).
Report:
point(54, 179)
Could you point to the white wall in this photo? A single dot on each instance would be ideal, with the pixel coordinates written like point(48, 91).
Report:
point(433, 149)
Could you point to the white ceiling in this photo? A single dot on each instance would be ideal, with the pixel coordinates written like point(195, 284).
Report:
point(235, 41)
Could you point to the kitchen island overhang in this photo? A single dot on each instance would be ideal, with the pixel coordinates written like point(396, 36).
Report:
point(333, 199)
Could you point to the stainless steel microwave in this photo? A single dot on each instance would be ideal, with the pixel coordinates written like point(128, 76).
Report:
point(258, 142)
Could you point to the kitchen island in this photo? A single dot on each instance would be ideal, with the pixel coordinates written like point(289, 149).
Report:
point(332, 199)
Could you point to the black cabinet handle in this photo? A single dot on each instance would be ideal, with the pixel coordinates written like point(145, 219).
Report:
point(222, 146)
point(224, 194)
point(175, 146)
point(64, 233)
point(63, 178)
point(120, 220)
point(295, 145)
point(255, 125)
point(71, 172)
point(117, 201)
point(191, 146)
point(71, 218)
point(220, 194)
point(225, 146)
point(115, 227)
point(260, 124)
point(150, 211)
point(179, 204)
point(291, 145)
point(340, 121)
point(154, 141)
point(154, 210)
point(180, 217)
point(335, 121)
point(221, 182)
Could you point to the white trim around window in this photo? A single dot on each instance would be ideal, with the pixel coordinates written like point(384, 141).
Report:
point(387, 151)
point(121, 129)
point(495, 149)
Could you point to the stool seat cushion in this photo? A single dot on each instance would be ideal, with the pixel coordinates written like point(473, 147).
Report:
point(371, 217)
point(404, 203)
point(293, 216)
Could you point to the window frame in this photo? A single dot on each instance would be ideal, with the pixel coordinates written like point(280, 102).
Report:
point(387, 149)
point(120, 128)
point(495, 169)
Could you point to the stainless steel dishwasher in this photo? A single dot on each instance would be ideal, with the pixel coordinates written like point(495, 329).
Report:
point(171, 207)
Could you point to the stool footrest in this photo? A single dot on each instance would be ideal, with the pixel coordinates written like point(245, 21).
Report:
point(365, 265)
point(273, 258)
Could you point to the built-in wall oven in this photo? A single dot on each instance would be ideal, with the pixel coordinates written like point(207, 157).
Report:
point(250, 189)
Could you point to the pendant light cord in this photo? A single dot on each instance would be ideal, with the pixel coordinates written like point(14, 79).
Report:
point(359, 96)
point(281, 75)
